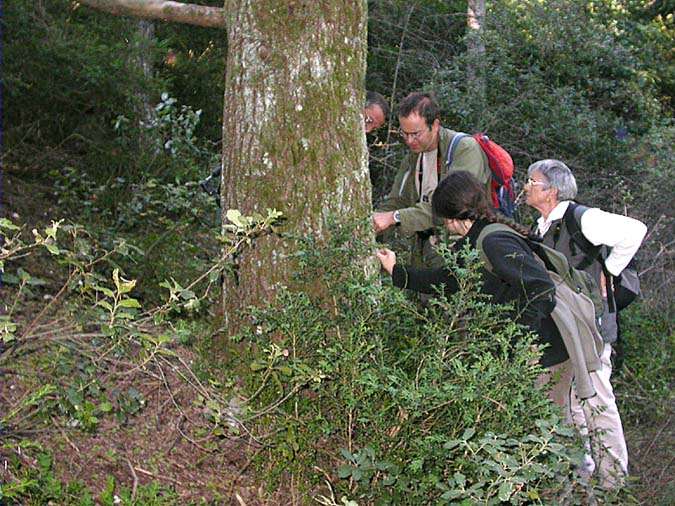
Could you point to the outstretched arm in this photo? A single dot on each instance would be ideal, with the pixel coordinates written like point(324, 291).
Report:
point(418, 280)
point(621, 233)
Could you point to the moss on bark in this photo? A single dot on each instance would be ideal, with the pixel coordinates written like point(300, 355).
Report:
point(293, 129)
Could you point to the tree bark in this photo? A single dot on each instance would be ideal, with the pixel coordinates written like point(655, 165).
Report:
point(191, 14)
point(293, 136)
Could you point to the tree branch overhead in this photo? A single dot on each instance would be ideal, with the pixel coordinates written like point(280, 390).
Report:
point(178, 12)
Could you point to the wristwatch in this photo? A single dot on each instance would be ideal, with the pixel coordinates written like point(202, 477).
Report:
point(397, 218)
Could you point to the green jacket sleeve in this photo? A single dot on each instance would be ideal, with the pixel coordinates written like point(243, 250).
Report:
point(416, 218)
point(404, 197)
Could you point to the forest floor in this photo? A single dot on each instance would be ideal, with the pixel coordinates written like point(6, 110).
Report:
point(168, 437)
point(169, 441)
point(158, 439)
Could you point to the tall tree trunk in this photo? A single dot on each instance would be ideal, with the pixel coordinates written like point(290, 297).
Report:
point(293, 135)
point(475, 47)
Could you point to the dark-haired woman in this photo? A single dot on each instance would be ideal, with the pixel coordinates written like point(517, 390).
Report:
point(516, 275)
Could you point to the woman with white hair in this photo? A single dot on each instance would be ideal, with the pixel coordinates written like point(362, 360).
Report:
point(565, 226)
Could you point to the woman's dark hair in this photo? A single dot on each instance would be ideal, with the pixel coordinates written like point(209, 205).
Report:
point(460, 197)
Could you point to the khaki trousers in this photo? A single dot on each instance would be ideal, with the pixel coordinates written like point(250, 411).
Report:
point(597, 420)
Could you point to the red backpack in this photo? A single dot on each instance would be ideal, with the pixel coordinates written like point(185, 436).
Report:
point(501, 167)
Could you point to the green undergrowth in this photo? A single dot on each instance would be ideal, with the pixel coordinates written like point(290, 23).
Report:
point(347, 389)
point(156, 203)
point(40, 485)
point(363, 395)
point(644, 378)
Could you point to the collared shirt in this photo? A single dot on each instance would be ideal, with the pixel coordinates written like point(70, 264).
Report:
point(620, 233)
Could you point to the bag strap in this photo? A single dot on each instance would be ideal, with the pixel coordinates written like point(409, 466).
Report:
point(572, 220)
point(487, 230)
point(593, 253)
point(452, 147)
point(538, 249)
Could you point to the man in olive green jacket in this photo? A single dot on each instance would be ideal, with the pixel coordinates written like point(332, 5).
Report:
point(408, 205)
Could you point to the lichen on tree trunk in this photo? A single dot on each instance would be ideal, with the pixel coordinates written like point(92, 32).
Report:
point(293, 134)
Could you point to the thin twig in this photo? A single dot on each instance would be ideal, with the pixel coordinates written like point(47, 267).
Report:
point(241, 471)
point(135, 476)
point(398, 66)
point(655, 438)
point(47, 306)
point(160, 477)
point(180, 410)
point(278, 403)
point(65, 436)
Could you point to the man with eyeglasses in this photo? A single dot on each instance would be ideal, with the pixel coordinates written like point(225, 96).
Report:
point(375, 111)
point(408, 205)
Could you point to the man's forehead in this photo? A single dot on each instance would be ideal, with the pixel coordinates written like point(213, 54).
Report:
point(413, 117)
point(375, 109)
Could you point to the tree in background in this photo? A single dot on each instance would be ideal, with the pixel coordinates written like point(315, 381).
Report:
point(142, 58)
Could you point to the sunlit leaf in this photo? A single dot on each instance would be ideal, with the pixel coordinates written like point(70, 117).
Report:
point(133, 303)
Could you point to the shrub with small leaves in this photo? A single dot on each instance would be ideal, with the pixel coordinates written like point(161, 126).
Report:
point(399, 404)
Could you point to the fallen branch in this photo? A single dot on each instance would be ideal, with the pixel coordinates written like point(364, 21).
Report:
point(159, 477)
point(135, 485)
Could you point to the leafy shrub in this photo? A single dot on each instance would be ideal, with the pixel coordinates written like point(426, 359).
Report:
point(554, 90)
point(40, 485)
point(644, 383)
point(152, 212)
point(397, 404)
point(646, 181)
point(69, 74)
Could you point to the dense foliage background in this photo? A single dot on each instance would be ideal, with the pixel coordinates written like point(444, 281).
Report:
point(112, 123)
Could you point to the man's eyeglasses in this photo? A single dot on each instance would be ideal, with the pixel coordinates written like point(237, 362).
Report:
point(411, 135)
point(534, 182)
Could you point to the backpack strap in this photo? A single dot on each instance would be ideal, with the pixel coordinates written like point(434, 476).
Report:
point(572, 220)
point(592, 253)
point(487, 230)
point(452, 147)
point(539, 250)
